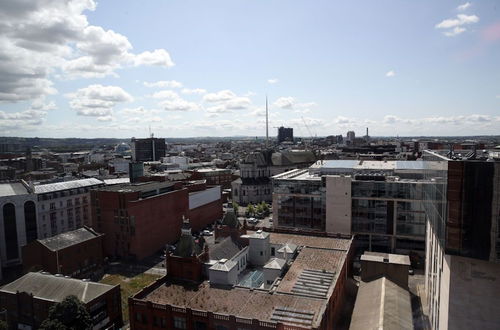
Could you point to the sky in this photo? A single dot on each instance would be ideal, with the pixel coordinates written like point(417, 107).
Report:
point(183, 68)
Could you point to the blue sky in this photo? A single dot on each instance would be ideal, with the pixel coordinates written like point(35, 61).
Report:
point(203, 68)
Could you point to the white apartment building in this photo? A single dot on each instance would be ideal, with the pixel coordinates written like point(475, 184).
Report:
point(64, 206)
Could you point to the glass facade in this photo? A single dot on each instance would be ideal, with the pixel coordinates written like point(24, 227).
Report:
point(301, 203)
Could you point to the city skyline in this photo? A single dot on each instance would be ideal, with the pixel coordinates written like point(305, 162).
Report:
point(187, 68)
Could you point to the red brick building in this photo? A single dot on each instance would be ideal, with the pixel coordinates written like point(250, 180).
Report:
point(307, 294)
point(76, 253)
point(28, 299)
point(139, 219)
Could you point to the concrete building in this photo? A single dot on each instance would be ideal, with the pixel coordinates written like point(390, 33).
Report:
point(18, 221)
point(393, 266)
point(379, 201)
point(462, 210)
point(304, 292)
point(139, 219)
point(64, 206)
point(28, 299)
point(77, 253)
point(350, 138)
point(145, 150)
point(285, 134)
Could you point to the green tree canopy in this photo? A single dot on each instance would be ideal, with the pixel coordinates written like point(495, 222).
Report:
point(68, 314)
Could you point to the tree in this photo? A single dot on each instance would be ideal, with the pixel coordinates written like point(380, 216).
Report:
point(236, 208)
point(265, 208)
point(250, 209)
point(68, 314)
point(3, 325)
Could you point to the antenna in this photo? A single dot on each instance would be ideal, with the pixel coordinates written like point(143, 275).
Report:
point(267, 125)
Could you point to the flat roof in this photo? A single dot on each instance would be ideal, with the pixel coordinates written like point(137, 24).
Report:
point(373, 165)
point(12, 189)
point(317, 266)
point(140, 186)
point(398, 259)
point(58, 186)
point(69, 238)
point(56, 288)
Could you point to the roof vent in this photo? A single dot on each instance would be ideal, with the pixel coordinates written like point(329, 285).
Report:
point(223, 261)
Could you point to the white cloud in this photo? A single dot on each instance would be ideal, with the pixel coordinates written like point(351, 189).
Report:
point(43, 39)
point(158, 57)
point(272, 81)
point(285, 102)
point(139, 111)
point(163, 84)
point(223, 95)
point(390, 74)
point(193, 91)
point(464, 6)
point(455, 26)
point(167, 94)
point(226, 101)
point(179, 104)
point(97, 100)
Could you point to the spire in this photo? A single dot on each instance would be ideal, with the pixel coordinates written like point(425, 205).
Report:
point(267, 125)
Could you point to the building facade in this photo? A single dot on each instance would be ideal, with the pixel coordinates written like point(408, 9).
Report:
point(77, 253)
point(64, 206)
point(145, 150)
point(462, 209)
point(139, 219)
point(379, 202)
point(254, 184)
point(18, 221)
point(285, 134)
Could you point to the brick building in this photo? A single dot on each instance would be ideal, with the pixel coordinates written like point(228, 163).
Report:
point(215, 176)
point(28, 299)
point(139, 219)
point(294, 282)
point(76, 253)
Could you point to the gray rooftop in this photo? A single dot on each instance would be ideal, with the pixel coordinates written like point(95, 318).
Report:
point(69, 238)
point(140, 186)
point(54, 288)
point(224, 265)
point(12, 189)
point(398, 259)
point(382, 304)
point(58, 186)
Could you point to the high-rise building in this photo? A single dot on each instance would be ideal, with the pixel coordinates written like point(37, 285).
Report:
point(462, 209)
point(145, 150)
point(285, 134)
point(351, 136)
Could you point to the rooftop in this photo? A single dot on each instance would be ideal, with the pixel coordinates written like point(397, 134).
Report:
point(134, 187)
point(382, 304)
point(12, 189)
point(397, 259)
point(299, 299)
point(370, 165)
point(56, 288)
point(69, 238)
point(58, 186)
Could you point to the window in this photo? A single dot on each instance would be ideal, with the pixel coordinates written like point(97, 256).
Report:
point(272, 251)
point(221, 327)
point(179, 322)
point(52, 206)
point(198, 325)
point(261, 253)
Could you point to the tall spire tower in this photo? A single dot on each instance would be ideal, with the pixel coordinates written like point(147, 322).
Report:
point(267, 125)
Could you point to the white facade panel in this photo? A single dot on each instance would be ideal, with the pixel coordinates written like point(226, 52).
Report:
point(204, 197)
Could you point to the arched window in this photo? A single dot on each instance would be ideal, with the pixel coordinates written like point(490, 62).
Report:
point(10, 231)
point(30, 221)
